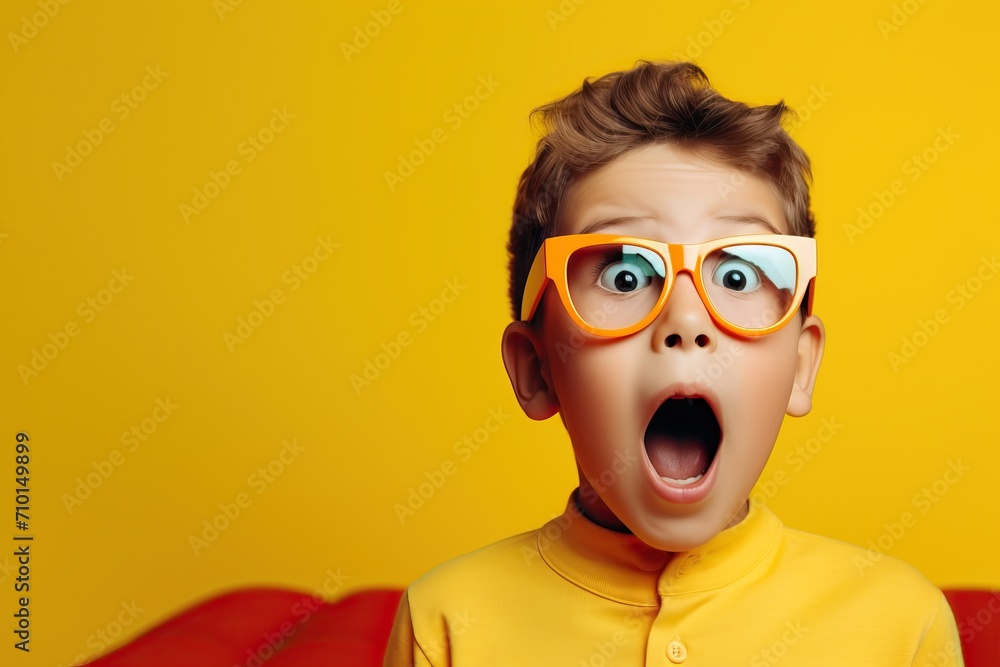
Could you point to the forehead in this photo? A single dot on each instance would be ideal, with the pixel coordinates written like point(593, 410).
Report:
point(671, 194)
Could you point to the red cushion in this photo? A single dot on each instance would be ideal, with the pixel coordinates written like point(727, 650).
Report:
point(278, 627)
point(355, 630)
point(977, 613)
point(281, 628)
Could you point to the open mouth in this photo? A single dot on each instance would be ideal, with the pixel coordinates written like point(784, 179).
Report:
point(682, 439)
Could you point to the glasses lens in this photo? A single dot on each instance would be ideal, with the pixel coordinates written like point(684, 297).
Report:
point(750, 285)
point(614, 286)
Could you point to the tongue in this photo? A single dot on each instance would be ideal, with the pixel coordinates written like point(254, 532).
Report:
point(677, 458)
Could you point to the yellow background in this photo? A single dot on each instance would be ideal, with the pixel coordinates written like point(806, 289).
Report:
point(875, 84)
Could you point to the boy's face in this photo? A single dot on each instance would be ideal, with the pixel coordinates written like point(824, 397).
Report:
point(614, 394)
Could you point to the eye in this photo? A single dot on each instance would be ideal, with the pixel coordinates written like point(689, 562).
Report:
point(627, 275)
point(736, 275)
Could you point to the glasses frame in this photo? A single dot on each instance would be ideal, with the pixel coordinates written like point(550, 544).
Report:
point(551, 263)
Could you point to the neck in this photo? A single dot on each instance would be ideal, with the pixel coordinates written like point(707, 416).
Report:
point(593, 508)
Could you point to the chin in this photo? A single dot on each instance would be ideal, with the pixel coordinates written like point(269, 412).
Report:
point(683, 532)
point(680, 533)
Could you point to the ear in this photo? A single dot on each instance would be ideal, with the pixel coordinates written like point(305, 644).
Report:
point(812, 339)
point(528, 369)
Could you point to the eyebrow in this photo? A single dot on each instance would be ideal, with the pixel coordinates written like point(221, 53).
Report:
point(746, 219)
point(591, 228)
point(750, 219)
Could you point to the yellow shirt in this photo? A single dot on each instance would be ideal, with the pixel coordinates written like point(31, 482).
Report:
point(576, 594)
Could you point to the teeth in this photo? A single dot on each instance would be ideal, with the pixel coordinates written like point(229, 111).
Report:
point(684, 482)
point(690, 401)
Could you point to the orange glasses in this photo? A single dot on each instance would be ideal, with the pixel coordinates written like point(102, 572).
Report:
point(615, 285)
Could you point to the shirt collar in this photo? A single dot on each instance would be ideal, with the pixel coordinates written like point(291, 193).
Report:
point(621, 567)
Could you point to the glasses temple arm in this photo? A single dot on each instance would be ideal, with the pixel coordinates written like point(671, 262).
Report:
point(533, 286)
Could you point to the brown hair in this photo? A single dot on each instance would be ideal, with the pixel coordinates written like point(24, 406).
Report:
point(652, 102)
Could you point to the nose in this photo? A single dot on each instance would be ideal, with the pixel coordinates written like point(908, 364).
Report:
point(684, 322)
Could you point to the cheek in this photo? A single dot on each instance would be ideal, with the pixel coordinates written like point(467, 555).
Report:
point(596, 385)
point(760, 392)
point(575, 367)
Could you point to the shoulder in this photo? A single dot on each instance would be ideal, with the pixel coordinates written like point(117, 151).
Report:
point(876, 596)
point(867, 572)
point(469, 576)
point(447, 600)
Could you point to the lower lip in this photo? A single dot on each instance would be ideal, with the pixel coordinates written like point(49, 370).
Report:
point(683, 495)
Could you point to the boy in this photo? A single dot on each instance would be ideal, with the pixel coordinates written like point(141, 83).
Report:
point(662, 273)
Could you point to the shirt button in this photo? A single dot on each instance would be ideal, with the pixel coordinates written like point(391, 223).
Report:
point(676, 651)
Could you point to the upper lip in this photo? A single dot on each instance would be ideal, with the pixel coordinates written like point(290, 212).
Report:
point(683, 390)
